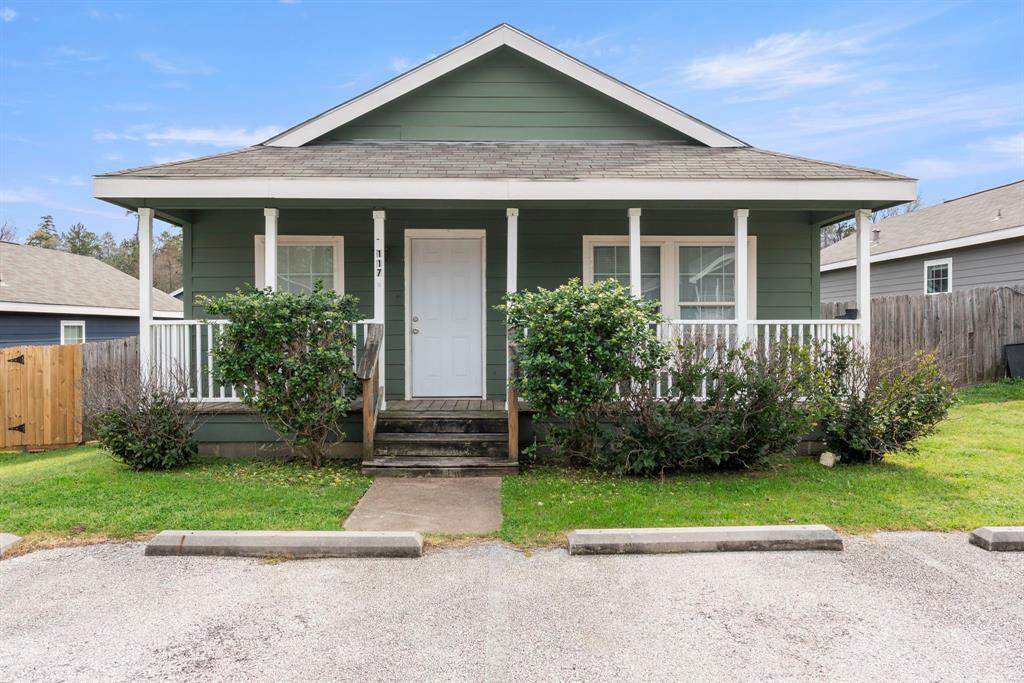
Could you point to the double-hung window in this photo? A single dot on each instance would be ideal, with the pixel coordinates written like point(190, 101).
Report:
point(304, 260)
point(693, 277)
point(938, 276)
point(72, 331)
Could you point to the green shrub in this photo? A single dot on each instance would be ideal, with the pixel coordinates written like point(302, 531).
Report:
point(289, 357)
point(726, 408)
point(153, 431)
point(868, 408)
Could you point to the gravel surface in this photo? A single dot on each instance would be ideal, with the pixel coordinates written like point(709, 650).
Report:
point(909, 606)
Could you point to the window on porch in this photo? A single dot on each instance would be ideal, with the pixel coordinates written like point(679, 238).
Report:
point(304, 260)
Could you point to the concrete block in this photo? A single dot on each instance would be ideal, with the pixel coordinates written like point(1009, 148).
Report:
point(998, 537)
point(703, 539)
point(8, 541)
point(292, 544)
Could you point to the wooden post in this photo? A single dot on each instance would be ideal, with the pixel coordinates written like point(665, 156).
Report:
point(634, 253)
point(145, 291)
point(379, 288)
point(863, 221)
point(270, 251)
point(742, 315)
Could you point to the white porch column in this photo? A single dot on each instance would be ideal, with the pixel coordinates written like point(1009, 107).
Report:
point(512, 251)
point(270, 250)
point(145, 291)
point(634, 253)
point(739, 217)
point(378, 287)
point(863, 221)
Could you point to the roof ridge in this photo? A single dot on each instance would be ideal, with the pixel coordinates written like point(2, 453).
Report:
point(991, 189)
point(135, 169)
point(834, 164)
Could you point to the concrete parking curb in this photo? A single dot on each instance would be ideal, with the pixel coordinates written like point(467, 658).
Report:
point(291, 544)
point(998, 537)
point(703, 539)
point(8, 541)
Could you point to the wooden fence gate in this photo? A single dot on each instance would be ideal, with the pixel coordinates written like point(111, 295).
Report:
point(40, 396)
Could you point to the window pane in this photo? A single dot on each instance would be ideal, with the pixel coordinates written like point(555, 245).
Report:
point(613, 263)
point(707, 274)
point(299, 267)
point(73, 334)
point(707, 312)
point(937, 281)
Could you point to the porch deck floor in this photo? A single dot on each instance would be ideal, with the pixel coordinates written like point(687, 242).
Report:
point(458, 404)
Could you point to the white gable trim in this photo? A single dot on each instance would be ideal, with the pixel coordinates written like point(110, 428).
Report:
point(957, 243)
point(114, 188)
point(503, 35)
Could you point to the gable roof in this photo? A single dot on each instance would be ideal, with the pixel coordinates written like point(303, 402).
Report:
point(503, 35)
point(50, 281)
point(517, 160)
point(976, 218)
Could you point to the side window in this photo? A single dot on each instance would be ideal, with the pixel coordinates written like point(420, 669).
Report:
point(72, 331)
point(613, 262)
point(938, 276)
point(304, 260)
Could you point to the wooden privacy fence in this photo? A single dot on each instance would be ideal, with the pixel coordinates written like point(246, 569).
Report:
point(967, 329)
point(41, 393)
point(44, 390)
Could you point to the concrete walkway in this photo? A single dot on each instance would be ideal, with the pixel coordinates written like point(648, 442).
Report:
point(470, 505)
point(893, 607)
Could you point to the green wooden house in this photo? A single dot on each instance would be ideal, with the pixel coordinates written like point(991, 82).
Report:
point(499, 165)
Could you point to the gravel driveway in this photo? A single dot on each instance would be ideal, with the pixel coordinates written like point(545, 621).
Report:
point(911, 606)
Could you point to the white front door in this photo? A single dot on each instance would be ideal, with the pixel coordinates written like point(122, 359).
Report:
point(445, 316)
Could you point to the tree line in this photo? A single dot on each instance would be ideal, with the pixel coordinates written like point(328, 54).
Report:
point(123, 254)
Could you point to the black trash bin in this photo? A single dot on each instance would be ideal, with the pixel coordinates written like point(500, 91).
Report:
point(1015, 360)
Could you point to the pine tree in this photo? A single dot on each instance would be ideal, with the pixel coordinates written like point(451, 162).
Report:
point(80, 240)
point(45, 235)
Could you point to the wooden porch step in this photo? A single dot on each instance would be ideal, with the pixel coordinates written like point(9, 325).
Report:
point(440, 444)
point(464, 466)
point(442, 422)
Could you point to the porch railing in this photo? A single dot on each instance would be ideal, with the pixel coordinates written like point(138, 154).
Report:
point(182, 351)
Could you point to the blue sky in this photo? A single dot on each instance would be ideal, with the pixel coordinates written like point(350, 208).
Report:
point(931, 89)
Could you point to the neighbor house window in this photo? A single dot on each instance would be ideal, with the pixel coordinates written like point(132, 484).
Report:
point(72, 331)
point(693, 277)
point(938, 276)
point(302, 261)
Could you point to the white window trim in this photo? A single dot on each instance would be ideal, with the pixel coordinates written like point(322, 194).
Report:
point(336, 241)
point(71, 323)
point(948, 262)
point(670, 262)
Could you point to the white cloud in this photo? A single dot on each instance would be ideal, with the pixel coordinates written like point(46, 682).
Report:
point(592, 46)
point(7, 14)
point(180, 68)
point(167, 159)
point(71, 54)
point(403, 64)
point(987, 156)
point(130, 106)
point(21, 195)
point(73, 180)
point(215, 137)
point(290, 2)
point(778, 64)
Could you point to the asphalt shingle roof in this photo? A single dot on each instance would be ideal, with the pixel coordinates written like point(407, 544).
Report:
point(47, 276)
point(995, 209)
point(499, 160)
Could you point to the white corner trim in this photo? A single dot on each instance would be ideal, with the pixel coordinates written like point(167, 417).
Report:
point(502, 36)
point(63, 309)
point(945, 245)
point(610, 189)
point(71, 323)
point(948, 262)
point(336, 241)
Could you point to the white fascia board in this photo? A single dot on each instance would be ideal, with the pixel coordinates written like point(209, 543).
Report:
point(946, 245)
point(499, 37)
point(62, 309)
point(611, 189)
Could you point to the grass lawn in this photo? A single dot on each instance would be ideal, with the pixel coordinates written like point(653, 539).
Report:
point(970, 473)
point(82, 492)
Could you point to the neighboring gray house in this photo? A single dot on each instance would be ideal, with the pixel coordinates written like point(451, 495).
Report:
point(52, 297)
point(973, 241)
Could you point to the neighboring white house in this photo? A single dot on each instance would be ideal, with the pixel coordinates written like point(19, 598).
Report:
point(973, 241)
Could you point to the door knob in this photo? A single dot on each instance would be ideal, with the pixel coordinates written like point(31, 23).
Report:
point(415, 318)
point(415, 331)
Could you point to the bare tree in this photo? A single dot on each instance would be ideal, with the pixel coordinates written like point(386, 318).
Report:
point(8, 233)
point(830, 234)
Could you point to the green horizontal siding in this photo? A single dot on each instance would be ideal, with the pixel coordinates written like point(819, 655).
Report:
point(220, 256)
point(504, 95)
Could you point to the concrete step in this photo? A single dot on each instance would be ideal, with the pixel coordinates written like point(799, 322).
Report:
point(440, 445)
point(463, 466)
point(442, 422)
